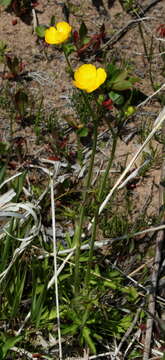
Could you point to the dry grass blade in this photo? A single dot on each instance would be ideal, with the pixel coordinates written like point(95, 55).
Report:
point(128, 332)
point(30, 209)
point(133, 174)
point(99, 244)
point(52, 281)
point(10, 179)
point(5, 198)
point(151, 96)
point(9, 209)
point(22, 352)
point(55, 259)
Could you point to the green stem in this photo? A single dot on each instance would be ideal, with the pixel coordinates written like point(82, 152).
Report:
point(102, 187)
point(85, 196)
point(67, 60)
point(94, 227)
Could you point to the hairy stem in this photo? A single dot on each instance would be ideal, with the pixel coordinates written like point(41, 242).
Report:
point(67, 60)
point(79, 227)
point(95, 221)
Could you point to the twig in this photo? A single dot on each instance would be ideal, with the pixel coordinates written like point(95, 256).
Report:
point(140, 267)
point(135, 338)
point(128, 277)
point(133, 174)
point(128, 332)
point(100, 244)
point(130, 25)
point(151, 96)
point(35, 20)
point(152, 296)
point(149, 5)
point(55, 261)
point(23, 324)
point(116, 37)
point(102, 356)
point(22, 352)
point(51, 282)
point(156, 267)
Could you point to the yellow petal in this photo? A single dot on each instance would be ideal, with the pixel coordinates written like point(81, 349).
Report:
point(92, 87)
point(101, 76)
point(79, 85)
point(84, 76)
point(88, 78)
point(59, 34)
point(85, 73)
point(64, 27)
point(52, 36)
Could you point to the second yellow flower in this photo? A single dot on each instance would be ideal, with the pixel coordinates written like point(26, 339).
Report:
point(58, 34)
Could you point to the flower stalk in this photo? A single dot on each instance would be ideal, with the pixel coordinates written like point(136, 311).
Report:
point(79, 229)
point(95, 222)
point(67, 60)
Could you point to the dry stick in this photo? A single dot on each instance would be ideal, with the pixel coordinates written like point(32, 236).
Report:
point(55, 262)
point(103, 355)
point(22, 352)
point(51, 282)
point(128, 332)
point(23, 324)
point(99, 244)
point(156, 267)
point(140, 267)
point(128, 277)
point(135, 337)
point(133, 23)
point(129, 26)
point(150, 4)
point(151, 96)
point(117, 36)
point(35, 19)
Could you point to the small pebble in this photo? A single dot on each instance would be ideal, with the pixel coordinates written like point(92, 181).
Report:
point(14, 22)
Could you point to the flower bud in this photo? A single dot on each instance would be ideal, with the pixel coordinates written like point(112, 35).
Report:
point(130, 111)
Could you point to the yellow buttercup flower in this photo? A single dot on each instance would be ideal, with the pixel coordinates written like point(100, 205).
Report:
point(88, 78)
point(58, 34)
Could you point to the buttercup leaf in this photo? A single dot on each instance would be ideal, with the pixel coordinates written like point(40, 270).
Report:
point(83, 31)
point(40, 30)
